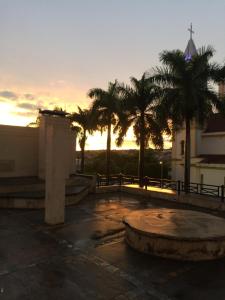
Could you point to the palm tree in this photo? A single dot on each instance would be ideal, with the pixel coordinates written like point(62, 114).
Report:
point(85, 118)
point(139, 104)
point(106, 105)
point(187, 93)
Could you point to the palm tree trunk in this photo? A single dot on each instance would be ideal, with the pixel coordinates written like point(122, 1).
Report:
point(141, 152)
point(82, 152)
point(187, 164)
point(108, 151)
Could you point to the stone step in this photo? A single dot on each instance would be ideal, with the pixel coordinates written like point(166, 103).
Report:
point(33, 184)
point(35, 200)
point(29, 192)
point(40, 194)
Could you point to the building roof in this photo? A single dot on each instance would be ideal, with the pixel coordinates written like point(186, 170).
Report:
point(190, 50)
point(216, 123)
point(212, 159)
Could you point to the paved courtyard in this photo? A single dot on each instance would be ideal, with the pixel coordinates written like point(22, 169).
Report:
point(87, 258)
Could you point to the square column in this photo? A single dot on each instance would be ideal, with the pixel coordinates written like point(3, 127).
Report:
point(56, 168)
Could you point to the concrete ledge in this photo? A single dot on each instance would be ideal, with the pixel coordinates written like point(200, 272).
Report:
point(108, 189)
point(191, 199)
point(32, 184)
point(202, 201)
point(176, 234)
point(28, 192)
point(168, 248)
point(165, 194)
point(38, 203)
point(74, 199)
point(150, 193)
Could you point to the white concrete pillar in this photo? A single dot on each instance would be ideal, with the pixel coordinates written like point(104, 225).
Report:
point(56, 167)
point(72, 166)
point(41, 146)
point(69, 140)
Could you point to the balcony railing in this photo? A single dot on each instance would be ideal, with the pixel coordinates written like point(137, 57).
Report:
point(217, 191)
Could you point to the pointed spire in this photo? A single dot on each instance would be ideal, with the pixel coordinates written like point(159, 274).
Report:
point(190, 49)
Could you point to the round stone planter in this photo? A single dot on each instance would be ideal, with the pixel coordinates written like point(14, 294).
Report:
point(176, 234)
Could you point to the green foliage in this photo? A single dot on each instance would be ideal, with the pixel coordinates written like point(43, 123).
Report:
point(126, 162)
point(138, 109)
point(180, 90)
point(106, 106)
point(86, 121)
point(187, 93)
point(187, 87)
point(35, 124)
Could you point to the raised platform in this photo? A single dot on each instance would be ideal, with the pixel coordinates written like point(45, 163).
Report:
point(29, 192)
point(177, 234)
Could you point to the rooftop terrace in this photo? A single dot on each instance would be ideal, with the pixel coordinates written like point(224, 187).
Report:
point(87, 258)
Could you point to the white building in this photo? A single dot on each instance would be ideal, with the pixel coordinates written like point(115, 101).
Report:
point(207, 146)
point(207, 152)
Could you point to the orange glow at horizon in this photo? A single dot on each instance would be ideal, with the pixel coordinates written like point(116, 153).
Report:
point(12, 114)
point(94, 142)
point(9, 117)
point(98, 142)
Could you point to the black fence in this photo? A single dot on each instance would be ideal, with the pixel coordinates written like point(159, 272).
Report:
point(217, 191)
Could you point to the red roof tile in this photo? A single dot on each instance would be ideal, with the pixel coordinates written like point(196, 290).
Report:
point(212, 159)
point(216, 123)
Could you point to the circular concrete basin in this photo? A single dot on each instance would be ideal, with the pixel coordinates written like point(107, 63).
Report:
point(177, 234)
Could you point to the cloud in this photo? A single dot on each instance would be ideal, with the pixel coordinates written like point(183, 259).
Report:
point(28, 106)
point(58, 83)
point(8, 95)
point(29, 96)
point(52, 103)
point(25, 113)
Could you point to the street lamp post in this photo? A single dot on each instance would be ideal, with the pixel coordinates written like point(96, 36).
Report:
point(161, 174)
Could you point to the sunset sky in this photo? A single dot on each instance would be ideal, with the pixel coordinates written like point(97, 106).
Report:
point(53, 51)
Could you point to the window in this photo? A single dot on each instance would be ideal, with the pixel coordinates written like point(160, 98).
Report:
point(182, 147)
point(202, 178)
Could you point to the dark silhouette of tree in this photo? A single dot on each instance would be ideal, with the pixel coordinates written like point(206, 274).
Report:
point(35, 124)
point(86, 121)
point(138, 109)
point(106, 106)
point(188, 94)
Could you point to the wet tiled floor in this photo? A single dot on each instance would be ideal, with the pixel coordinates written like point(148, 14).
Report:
point(87, 258)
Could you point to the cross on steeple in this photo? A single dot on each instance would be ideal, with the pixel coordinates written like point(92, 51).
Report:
point(190, 49)
point(191, 31)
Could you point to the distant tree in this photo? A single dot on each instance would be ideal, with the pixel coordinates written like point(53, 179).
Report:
point(125, 162)
point(219, 75)
point(35, 124)
point(106, 106)
point(138, 109)
point(58, 108)
point(86, 121)
point(187, 93)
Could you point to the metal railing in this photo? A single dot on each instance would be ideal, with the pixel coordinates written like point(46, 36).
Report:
point(217, 191)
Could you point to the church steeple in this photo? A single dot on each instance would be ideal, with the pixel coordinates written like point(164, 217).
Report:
point(190, 49)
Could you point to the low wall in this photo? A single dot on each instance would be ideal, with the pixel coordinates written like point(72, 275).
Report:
point(18, 151)
point(23, 150)
point(190, 199)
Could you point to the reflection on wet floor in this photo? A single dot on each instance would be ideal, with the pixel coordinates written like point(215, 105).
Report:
point(87, 258)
